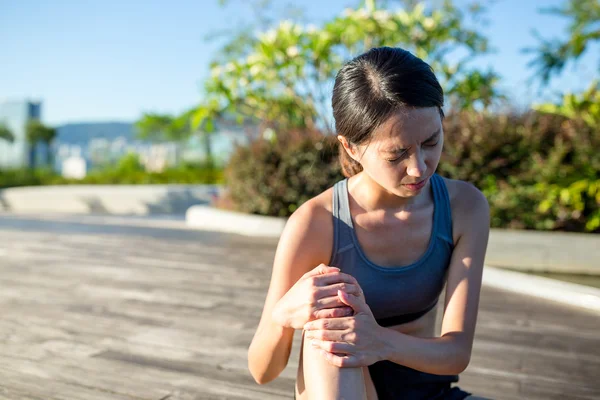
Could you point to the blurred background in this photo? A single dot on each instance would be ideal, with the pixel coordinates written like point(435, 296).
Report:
point(119, 117)
point(207, 92)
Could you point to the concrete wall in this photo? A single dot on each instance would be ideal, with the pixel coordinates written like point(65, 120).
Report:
point(520, 250)
point(544, 251)
point(106, 199)
point(573, 253)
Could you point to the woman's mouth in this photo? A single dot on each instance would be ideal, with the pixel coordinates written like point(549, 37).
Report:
point(416, 186)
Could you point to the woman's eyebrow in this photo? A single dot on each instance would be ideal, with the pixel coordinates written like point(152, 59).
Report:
point(398, 150)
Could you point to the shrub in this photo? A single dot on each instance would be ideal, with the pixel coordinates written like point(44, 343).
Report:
point(537, 171)
point(275, 178)
point(125, 172)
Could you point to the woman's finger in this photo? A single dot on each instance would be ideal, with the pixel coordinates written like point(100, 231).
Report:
point(326, 324)
point(333, 277)
point(333, 347)
point(339, 335)
point(334, 313)
point(329, 302)
point(331, 290)
point(342, 360)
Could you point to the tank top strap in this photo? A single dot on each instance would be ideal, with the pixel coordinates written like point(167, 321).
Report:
point(443, 214)
point(342, 220)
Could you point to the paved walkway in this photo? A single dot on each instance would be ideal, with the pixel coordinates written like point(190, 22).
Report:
point(98, 311)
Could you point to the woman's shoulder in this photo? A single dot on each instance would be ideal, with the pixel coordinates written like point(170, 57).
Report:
point(461, 191)
point(311, 225)
point(316, 213)
point(465, 200)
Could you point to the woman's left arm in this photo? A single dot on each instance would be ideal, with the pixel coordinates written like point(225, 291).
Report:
point(360, 341)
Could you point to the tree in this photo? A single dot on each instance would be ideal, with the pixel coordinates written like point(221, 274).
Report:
point(283, 77)
point(36, 133)
point(584, 29)
point(6, 134)
point(157, 127)
point(582, 191)
point(553, 55)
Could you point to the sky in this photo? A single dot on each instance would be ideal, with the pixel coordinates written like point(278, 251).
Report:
point(113, 60)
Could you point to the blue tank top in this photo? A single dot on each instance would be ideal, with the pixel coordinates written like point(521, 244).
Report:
point(397, 294)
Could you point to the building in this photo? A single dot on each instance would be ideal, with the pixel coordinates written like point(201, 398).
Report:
point(15, 115)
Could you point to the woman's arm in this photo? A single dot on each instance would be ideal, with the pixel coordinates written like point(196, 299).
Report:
point(450, 354)
point(446, 355)
point(306, 242)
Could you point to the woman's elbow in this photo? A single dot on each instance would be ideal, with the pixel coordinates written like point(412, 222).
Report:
point(461, 363)
point(260, 377)
point(260, 373)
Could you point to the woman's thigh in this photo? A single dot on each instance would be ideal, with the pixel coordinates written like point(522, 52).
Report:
point(317, 379)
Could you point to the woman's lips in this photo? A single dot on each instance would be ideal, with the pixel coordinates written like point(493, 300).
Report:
point(416, 186)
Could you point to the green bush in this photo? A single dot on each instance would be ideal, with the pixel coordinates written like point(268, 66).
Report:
point(538, 171)
point(125, 172)
point(275, 178)
point(25, 177)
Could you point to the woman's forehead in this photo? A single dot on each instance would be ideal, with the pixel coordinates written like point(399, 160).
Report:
point(408, 126)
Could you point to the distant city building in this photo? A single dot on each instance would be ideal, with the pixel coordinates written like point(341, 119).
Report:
point(103, 144)
point(74, 167)
point(81, 147)
point(15, 115)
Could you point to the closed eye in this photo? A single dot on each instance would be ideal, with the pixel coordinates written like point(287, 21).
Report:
point(392, 160)
point(428, 144)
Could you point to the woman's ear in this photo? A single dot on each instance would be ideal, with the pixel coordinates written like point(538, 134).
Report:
point(351, 149)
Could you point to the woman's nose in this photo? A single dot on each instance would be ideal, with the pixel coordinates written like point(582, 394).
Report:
point(416, 165)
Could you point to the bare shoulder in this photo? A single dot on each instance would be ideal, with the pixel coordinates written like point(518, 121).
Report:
point(470, 208)
point(311, 227)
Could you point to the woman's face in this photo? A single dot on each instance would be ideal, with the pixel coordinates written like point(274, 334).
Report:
point(404, 152)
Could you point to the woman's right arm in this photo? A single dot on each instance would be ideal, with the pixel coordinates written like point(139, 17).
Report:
point(305, 243)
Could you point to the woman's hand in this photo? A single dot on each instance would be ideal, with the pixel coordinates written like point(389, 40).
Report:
point(351, 341)
point(315, 296)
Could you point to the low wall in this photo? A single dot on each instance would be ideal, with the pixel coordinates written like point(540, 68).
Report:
point(213, 219)
point(107, 199)
point(573, 253)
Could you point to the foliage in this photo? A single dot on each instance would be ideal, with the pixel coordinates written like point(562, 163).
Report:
point(126, 172)
point(282, 77)
point(584, 29)
point(553, 55)
point(276, 177)
point(25, 177)
point(538, 171)
point(585, 106)
point(129, 163)
point(152, 126)
point(6, 134)
point(36, 132)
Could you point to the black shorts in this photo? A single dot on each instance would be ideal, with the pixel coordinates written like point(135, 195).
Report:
point(397, 382)
point(394, 381)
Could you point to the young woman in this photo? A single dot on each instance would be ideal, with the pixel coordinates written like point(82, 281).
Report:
point(360, 267)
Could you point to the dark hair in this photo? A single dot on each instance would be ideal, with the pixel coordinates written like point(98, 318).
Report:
point(372, 86)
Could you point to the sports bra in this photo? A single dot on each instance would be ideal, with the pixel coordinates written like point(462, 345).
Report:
point(397, 294)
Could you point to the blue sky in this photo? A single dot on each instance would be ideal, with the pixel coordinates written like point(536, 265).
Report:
point(112, 60)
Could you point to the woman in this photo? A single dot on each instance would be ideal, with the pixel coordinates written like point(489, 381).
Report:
point(397, 233)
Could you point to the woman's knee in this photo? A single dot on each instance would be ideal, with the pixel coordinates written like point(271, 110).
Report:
point(325, 381)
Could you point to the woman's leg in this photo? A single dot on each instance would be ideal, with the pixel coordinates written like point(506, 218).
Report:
point(317, 379)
